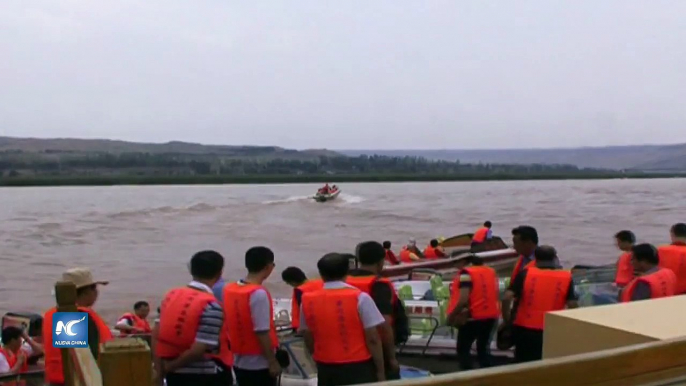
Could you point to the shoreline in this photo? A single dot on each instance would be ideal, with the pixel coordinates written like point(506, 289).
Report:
point(49, 181)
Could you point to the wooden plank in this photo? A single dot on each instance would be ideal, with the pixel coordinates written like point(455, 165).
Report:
point(646, 362)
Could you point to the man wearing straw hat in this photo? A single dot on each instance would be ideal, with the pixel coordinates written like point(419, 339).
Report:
point(98, 331)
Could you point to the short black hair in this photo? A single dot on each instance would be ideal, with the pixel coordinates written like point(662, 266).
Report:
point(82, 290)
point(258, 258)
point(679, 230)
point(207, 264)
point(387, 245)
point(646, 253)
point(140, 304)
point(545, 253)
point(626, 236)
point(293, 275)
point(433, 243)
point(11, 333)
point(488, 224)
point(333, 266)
point(371, 252)
point(526, 233)
point(476, 260)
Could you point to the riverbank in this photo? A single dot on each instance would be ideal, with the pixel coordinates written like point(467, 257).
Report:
point(26, 181)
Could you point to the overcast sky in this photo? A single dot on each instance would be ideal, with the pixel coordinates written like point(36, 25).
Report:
point(346, 74)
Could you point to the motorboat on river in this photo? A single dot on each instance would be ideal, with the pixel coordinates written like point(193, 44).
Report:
point(327, 193)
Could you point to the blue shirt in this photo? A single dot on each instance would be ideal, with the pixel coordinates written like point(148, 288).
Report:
point(218, 290)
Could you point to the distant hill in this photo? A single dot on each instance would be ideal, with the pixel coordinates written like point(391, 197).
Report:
point(642, 157)
point(73, 145)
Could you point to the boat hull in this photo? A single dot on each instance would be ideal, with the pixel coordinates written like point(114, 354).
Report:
point(326, 197)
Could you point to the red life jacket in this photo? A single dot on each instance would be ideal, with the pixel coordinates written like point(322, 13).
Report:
point(544, 290)
point(674, 257)
point(625, 270)
point(662, 284)
point(12, 359)
point(484, 300)
point(308, 286)
point(137, 322)
point(480, 235)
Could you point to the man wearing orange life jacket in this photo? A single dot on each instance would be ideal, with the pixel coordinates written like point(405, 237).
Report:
point(673, 256)
point(367, 278)
point(98, 330)
point(475, 308)
point(16, 349)
point(135, 322)
point(189, 343)
point(340, 326)
point(410, 253)
point(433, 250)
point(652, 282)
point(625, 269)
point(295, 277)
point(390, 257)
point(524, 242)
point(536, 290)
point(249, 316)
point(482, 234)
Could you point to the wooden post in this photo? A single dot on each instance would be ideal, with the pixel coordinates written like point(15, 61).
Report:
point(125, 361)
point(65, 294)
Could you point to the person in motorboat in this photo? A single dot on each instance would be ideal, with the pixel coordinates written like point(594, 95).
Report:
point(367, 278)
point(524, 242)
point(17, 347)
point(296, 278)
point(652, 281)
point(391, 259)
point(673, 256)
point(625, 241)
point(434, 250)
point(135, 322)
point(482, 234)
point(475, 308)
point(249, 316)
point(543, 282)
point(190, 344)
point(410, 253)
point(325, 189)
point(98, 330)
point(342, 323)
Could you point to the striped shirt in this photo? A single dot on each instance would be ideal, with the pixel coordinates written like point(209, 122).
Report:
point(210, 326)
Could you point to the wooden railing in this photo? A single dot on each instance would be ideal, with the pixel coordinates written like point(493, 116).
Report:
point(657, 364)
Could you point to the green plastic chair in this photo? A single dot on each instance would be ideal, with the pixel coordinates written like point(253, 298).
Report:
point(405, 293)
point(436, 282)
point(441, 294)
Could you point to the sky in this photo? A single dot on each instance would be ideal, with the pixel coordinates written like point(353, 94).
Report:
point(348, 74)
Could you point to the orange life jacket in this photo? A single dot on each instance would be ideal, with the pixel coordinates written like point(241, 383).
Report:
point(53, 357)
point(430, 252)
point(544, 290)
point(137, 322)
point(674, 258)
point(405, 255)
point(334, 320)
point(311, 285)
point(181, 311)
point(662, 284)
point(390, 257)
point(483, 298)
point(238, 320)
point(480, 235)
point(625, 270)
point(12, 359)
point(518, 267)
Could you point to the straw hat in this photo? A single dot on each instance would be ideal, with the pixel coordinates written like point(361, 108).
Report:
point(81, 277)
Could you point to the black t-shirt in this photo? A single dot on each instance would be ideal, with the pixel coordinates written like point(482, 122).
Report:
point(381, 293)
point(517, 286)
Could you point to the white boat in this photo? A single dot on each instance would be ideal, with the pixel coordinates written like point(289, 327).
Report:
point(333, 192)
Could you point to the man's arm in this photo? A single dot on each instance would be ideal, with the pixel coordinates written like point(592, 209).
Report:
point(382, 295)
point(125, 325)
point(307, 334)
point(463, 283)
point(641, 291)
point(513, 292)
point(572, 299)
point(261, 321)
point(375, 347)
point(371, 320)
point(36, 348)
point(206, 338)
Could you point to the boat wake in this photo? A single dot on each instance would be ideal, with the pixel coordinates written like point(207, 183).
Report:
point(287, 200)
point(343, 198)
point(349, 199)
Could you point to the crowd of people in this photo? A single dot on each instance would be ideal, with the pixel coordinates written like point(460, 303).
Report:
point(351, 320)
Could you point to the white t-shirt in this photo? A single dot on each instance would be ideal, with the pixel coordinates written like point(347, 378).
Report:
point(5, 365)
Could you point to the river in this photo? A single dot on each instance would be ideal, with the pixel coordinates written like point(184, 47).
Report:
point(141, 237)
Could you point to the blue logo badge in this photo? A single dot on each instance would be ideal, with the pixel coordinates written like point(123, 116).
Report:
point(70, 330)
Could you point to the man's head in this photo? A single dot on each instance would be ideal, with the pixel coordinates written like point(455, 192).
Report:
point(545, 253)
point(644, 257)
point(524, 239)
point(260, 262)
point(488, 224)
point(678, 233)
point(371, 256)
point(86, 286)
point(11, 338)
point(433, 243)
point(142, 309)
point(412, 242)
point(625, 240)
point(293, 276)
point(476, 260)
point(333, 267)
point(387, 245)
point(207, 267)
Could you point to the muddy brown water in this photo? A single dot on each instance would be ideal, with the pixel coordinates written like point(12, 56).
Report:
point(141, 238)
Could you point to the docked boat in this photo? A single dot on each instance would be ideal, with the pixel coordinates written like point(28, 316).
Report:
point(327, 194)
